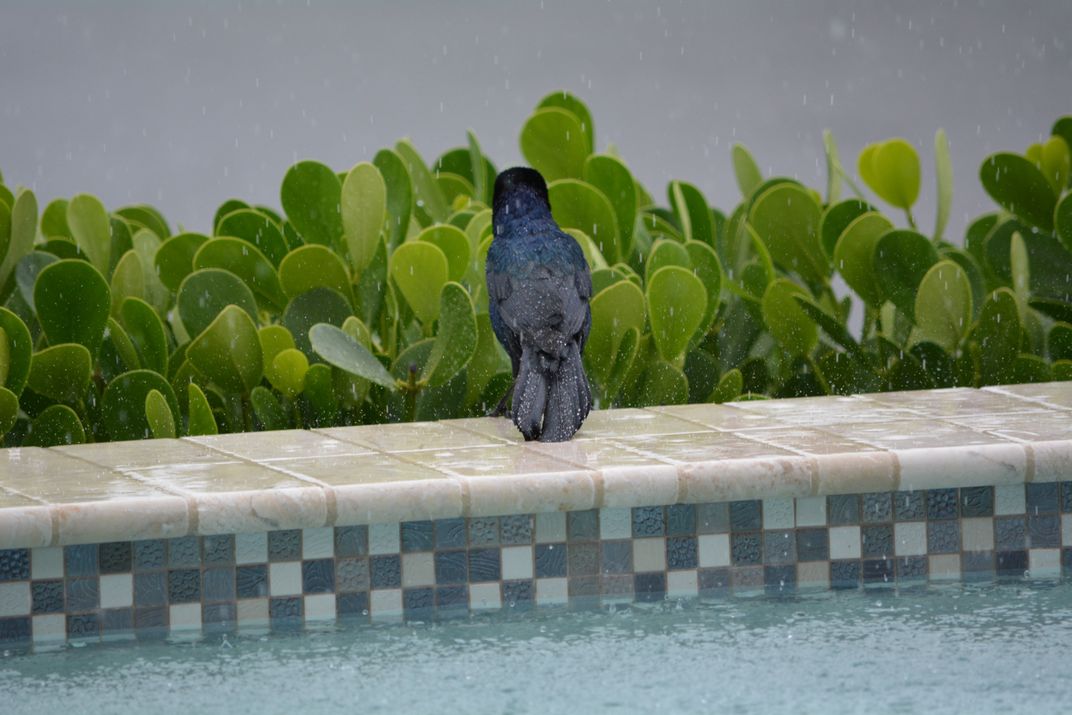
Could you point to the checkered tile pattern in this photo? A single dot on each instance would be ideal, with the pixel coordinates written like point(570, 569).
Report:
point(438, 569)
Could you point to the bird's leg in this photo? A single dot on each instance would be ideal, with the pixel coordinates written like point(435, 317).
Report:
point(500, 409)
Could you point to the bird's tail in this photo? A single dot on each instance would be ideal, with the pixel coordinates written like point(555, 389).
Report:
point(551, 395)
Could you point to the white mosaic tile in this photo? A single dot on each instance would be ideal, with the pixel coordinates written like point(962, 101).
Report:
point(550, 527)
point(910, 538)
point(649, 554)
point(251, 548)
point(844, 542)
point(285, 579)
point(1044, 563)
point(384, 539)
point(811, 511)
point(185, 617)
point(682, 584)
point(977, 534)
point(1066, 529)
point(1009, 499)
point(385, 604)
point(418, 569)
point(320, 607)
point(813, 575)
point(252, 612)
point(15, 599)
point(318, 543)
point(484, 596)
point(778, 513)
point(615, 523)
point(516, 562)
point(117, 590)
point(46, 563)
point(714, 550)
point(51, 628)
point(944, 567)
point(552, 591)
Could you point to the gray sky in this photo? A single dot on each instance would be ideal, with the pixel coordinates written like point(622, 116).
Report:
point(186, 104)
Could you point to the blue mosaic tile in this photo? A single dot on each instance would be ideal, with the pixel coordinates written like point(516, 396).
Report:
point(518, 594)
point(617, 586)
point(184, 586)
point(15, 630)
point(813, 544)
point(649, 587)
point(185, 551)
point(779, 580)
point(977, 501)
point(713, 518)
point(1010, 533)
point(14, 564)
point(218, 549)
point(583, 559)
point(977, 565)
point(911, 567)
point(779, 547)
point(80, 560)
point(844, 574)
point(46, 597)
point(352, 575)
point(1043, 531)
point(385, 571)
point(909, 506)
point(418, 536)
point(746, 549)
point(83, 594)
point(284, 545)
point(582, 525)
point(550, 560)
point(942, 504)
point(150, 589)
point(83, 625)
point(252, 581)
point(318, 576)
point(150, 620)
point(453, 566)
point(713, 582)
point(285, 609)
point(746, 515)
point(747, 578)
point(877, 541)
point(1011, 563)
point(150, 554)
point(1066, 497)
point(450, 533)
point(878, 571)
point(1043, 498)
point(648, 521)
point(418, 603)
point(878, 507)
point(617, 556)
point(352, 604)
point(484, 531)
point(516, 529)
point(218, 584)
point(485, 565)
point(1066, 560)
point(117, 620)
point(452, 598)
point(843, 509)
point(681, 520)
point(943, 537)
point(219, 617)
point(351, 541)
point(116, 557)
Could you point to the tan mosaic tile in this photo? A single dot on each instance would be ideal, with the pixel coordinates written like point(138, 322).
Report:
point(413, 436)
point(1052, 394)
point(818, 411)
point(953, 402)
point(143, 454)
point(284, 444)
point(728, 418)
point(604, 424)
point(914, 434)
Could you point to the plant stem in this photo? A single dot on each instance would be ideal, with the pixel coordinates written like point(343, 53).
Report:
point(247, 413)
point(911, 221)
point(411, 394)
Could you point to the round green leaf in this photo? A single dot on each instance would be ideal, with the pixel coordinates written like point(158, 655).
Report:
point(201, 420)
point(676, 301)
point(320, 305)
point(364, 212)
point(146, 244)
point(128, 279)
point(205, 293)
point(399, 194)
point(147, 333)
point(73, 302)
point(61, 372)
point(9, 410)
point(786, 320)
point(836, 219)
point(707, 268)
point(54, 219)
point(1062, 221)
point(123, 404)
point(1054, 163)
point(901, 259)
point(21, 233)
point(248, 263)
point(339, 349)
point(667, 252)
point(420, 269)
point(175, 258)
point(146, 217)
point(1059, 342)
point(944, 305)
point(943, 171)
point(577, 204)
point(854, 256)
point(573, 105)
point(227, 207)
point(456, 336)
point(91, 230)
point(998, 335)
point(267, 410)
point(158, 415)
point(612, 178)
point(228, 351)
point(663, 384)
point(255, 227)
point(554, 143)
point(311, 267)
point(1020, 188)
point(56, 425)
point(310, 195)
point(786, 218)
point(454, 244)
point(615, 310)
point(747, 172)
point(891, 169)
point(693, 212)
point(430, 206)
point(29, 266)
point(287, 371)
point(274, 339)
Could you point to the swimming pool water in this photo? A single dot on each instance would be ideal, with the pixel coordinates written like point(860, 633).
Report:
point(980, 648)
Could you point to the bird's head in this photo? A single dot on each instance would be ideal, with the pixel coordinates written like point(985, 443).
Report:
point(520, 191)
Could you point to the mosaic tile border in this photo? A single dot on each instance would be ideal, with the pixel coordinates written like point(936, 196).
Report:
point(452, 567)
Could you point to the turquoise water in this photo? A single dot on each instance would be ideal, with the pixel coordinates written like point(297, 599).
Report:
point(994, 648)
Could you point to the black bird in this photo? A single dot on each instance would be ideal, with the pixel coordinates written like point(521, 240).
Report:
point(538, 292)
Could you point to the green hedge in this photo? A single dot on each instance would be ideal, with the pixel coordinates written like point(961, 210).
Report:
point(364, 300)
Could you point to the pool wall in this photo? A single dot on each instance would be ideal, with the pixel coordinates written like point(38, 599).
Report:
point(443, 519)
